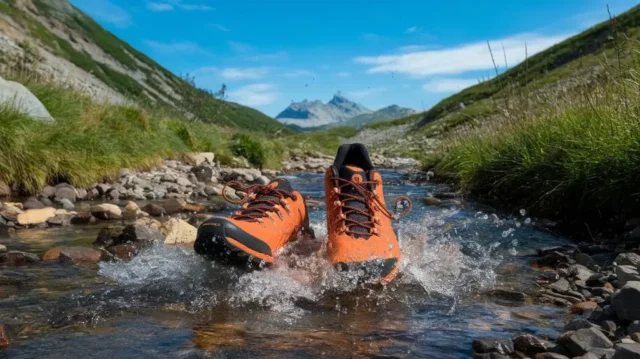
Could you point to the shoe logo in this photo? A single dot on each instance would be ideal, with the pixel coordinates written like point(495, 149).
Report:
point(356, 178)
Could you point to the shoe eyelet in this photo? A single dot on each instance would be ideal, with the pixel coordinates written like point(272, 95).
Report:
point(336, 190)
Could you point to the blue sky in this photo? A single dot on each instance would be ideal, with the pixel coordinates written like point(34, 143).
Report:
point(378, 53)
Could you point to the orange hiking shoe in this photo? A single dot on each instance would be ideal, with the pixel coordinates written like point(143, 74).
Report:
point(361, 238)
point(271, 216)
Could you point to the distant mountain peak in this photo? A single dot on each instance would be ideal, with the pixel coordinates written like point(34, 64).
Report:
point(316, 113)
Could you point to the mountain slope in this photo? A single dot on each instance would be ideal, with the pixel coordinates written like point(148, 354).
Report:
point(561, 66)
point(315, 113)
point(59, 41)
point(384, 114)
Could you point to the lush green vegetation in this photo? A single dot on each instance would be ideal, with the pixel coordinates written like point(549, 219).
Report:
point(326, 141)
point(246, 146)
point(568, 155)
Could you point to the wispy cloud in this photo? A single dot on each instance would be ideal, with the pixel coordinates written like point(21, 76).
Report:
point(468, 57)
point(105, 10)
point(411, 29)
point(247, 73)
point(299, 73)
point(220, 27)
point(443, 85)
point(255, 94)
point(170, 5)
point(175, 47)
point(343, 74)
point(159, 7)
point(365, 93)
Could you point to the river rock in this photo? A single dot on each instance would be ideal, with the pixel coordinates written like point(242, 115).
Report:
point(213, 190)
point(625, 302)
point(583, 341)
point(59, 220)
point(551, 356)
point(32, 203)
point(493, 345)
point(124, 251)
point(584, 307)
point(3, 248)
point(628, 259)
point(67, 204)
point(197, 219)
point(139, 234)
point(627, 351)
point(36, 216)
point(178, 231)
point(19, 97)
point(106, 211)
point(582, 273)
point(10, 210)
point(149, 222)
point(174, 205)
point(585, 260)
point(634, 327)
point(561, 286)
point(431, 201)
point(17, 258)
point(627, 273)
point(578, 323)
point(73, 255)
point(155, 210)
point(532, 345)
point(83, 218)
point(202, 173)
point(66, 192)
point(635, 337)
point(184, 182)
point(201, 157)
point(132, 211)
point(114, 194)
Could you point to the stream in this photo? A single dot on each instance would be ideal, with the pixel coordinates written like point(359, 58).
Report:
point(169, 303)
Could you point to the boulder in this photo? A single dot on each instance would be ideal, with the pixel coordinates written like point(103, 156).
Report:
point(198, 158)
point(66, 192)
point(17, 95)
point(10, 210)
point(493, 345)
point(583, 341)
point(584, 307)
point(132, 211)
point(626, 274)
point(627, 351)
point(628, 259)
point(263, 180)
point(36, 216)
point(625, 302)
point(106, 211)
point(578, 323)
point(154, 210)
point(202, 173)
point(109, 236)
point(139, 234)
point(197, 219)
point(48, 191)
point(174, 205)
point(32, 203)
point(178, 231)
point(81, 194)
point(83, 218)
point(532, 345)
point(17, 258)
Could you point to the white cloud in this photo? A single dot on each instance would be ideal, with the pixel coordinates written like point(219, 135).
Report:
point(343, 74)
point(468, 57)
point(411, 29)
point(254, 95)
point(105, 10)
point(170, 5)
point(180, 47)
point(448, 84)
point(299, 73)
point(159, 7)
point(365, 93)
point(248, 73)
point(220, 27)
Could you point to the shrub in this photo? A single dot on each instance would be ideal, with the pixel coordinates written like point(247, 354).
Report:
point(246, 146)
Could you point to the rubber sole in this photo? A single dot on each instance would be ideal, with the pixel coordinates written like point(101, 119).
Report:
point(383, 270)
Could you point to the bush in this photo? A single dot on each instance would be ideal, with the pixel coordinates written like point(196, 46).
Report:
point(249, 148)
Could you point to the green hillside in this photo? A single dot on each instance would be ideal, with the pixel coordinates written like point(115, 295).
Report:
point(153, 83)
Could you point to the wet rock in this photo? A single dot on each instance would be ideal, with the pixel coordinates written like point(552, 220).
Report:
point(489, 356)
point(178, 231)
point(627, 351)
point(634, 327)
point(597, 280)
point(174, 205)
point(582, 272)
point(212, 191)
point(561, 286)
point(625, 302)
point(626, 274)
point(10, 210)
point(551, 356)
point(114, 194)
point(566, 249)
point(583, 341)
point(263, 180)
point(124, 251)
point(106, 211)
point(17, 258)
point(155, 210)
point(108, 236)
point(552, 260)
point(184, 182)
point(149, 222)
point(197, 219)
point(609, 326)
point(66, 192)
point(83, 218)
point(628, 259)
point(202, 173)
point(32, 203)
point(60, 220)
point(578, 323)
point(584, 307)
point(635, 337)
point(135, 233)
point(4, 338)
point(507, 295)
point(36, 216)
point(81, 194)
point(431, 201)
point(132, 211)
point(73, 255)
point(493, 345)
point(532, 345)
point(66, 204)
point(585, 260)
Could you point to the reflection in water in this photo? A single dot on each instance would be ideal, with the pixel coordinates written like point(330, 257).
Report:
point(169, 302)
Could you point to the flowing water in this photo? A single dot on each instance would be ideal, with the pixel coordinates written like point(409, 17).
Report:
point(167, 302)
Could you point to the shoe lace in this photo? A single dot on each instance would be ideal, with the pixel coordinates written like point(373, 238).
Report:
point(258, 200)
point(370, 200)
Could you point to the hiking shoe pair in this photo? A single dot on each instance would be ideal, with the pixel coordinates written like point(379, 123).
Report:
point(360, 236)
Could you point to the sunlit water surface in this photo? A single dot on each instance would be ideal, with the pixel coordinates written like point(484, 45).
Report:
point(168, 302)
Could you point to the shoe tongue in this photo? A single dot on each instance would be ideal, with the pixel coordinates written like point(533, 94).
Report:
point(356, 175)
point(281, 184)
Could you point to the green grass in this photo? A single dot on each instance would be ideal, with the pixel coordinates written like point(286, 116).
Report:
point(571, 156)
point(326, 141)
